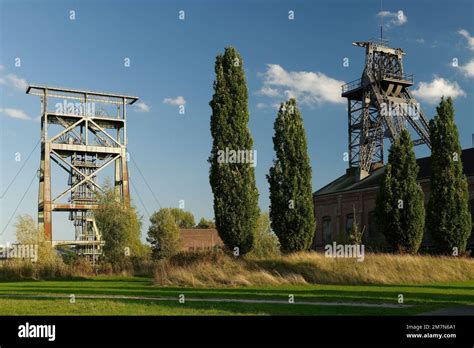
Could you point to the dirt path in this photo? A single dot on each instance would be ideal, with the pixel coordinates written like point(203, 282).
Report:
point(230, 300)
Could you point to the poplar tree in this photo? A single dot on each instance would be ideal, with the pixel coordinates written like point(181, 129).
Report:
point(233, 184)
point(399, 211)
point(448, 218)
point(291, 199)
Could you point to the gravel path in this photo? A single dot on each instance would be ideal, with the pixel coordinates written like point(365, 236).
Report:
point(454, 311)
point(230, 300)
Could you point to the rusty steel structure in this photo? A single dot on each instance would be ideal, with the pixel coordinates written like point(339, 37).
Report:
point(83, 133)
point(380, 106)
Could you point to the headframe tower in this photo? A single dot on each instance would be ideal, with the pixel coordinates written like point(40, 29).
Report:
point(82, 132)
point(380, 106)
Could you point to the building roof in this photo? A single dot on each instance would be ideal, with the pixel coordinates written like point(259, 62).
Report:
point(195, 238)
point(347, 182)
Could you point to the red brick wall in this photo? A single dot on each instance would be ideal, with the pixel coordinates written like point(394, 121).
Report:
point(199, 239)
point(338, 205)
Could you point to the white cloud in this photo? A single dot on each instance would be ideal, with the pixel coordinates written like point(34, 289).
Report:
point(420, 40)
point(261, 105)
point(141, 107)
point(394, 18)
point(14, 81)
point(431, 92)
point(311, 88)
point(468, 69)
point(469, 38)
point(176, 101)
point(15, 113)
point(1, 67)
point(268, 91)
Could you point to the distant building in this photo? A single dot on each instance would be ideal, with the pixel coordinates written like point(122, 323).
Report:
point(194, 239)
point(335, 203)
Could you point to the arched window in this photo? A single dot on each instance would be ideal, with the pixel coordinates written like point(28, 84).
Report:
point(327, 230)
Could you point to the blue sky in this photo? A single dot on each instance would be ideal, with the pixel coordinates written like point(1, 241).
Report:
point(172, 61)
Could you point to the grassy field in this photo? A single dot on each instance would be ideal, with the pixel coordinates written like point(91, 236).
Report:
point(16, 298)
point(218, 284)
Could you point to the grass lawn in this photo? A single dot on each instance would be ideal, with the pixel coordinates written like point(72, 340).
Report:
point(423, 298)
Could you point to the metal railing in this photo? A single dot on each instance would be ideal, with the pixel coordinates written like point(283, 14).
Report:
point(403, 77)
point(384, 75)
point(351, 85)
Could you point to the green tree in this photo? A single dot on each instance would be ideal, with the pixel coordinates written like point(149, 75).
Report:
point(27, 233)
point(120, 226)
point(163, 234)
point(447, 219)
point(266, 242)
point(183, 218)
point(291, 198)
point(400, 213)
point(203, 223)
point(232, 182)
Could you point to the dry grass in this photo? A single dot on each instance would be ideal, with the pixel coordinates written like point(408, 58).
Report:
point(218, 269)
point(25, 270)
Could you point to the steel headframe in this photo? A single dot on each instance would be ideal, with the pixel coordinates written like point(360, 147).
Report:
point(86, 143)
point(380, 106)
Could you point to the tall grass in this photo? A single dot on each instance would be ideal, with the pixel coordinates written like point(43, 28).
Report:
point(219, 269)
point(18, 269)
point(26, 270)
point(215, 269)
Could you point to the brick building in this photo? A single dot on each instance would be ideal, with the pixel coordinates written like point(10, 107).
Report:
point(338, 203)
point(194, 239)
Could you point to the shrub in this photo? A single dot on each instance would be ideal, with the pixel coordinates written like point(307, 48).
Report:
point(266, 242)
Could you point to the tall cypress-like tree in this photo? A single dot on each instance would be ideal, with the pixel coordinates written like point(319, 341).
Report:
point(291, 199)
point(400, 213)
point(233, 183)
point(448, 219)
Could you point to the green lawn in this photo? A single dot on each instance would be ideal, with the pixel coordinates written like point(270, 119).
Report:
point(422, 298)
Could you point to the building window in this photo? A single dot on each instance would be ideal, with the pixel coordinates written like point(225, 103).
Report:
point(471, 238)
point(372, 231)
point(349, 222)
point(327, 230)
point(471, 203)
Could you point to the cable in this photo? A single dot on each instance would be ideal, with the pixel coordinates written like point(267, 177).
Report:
point(139, 171)
point(139, 198)
point(19, 171)
point(19, 203)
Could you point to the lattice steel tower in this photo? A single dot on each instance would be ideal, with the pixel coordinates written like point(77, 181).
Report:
point(380, 106)
point(84, 132)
